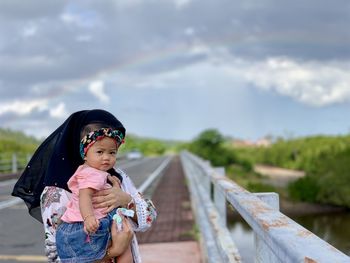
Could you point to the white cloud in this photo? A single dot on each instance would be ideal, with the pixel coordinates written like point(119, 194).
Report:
point(23, 107)
point(181, 3)
point(30, 30)
point(189, 31)
point(84, 38)
point(127, 4)
point(312, 83)
point(69, 18)
point(59, 111)
point(199, 49)
point(96, 88)
point(80, 17)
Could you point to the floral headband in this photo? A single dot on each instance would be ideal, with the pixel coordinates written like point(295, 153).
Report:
point(89, 139)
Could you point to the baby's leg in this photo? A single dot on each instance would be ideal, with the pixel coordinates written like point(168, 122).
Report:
point(126, 257)
point(107, 258)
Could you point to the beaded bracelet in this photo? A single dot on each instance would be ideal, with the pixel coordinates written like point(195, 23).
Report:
point(131, 204)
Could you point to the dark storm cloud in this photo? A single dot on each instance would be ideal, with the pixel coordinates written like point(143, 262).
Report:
point(23, 10)
point(109, 33)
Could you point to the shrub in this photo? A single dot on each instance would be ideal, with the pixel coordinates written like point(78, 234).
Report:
point(304, 189)
point(256, 187)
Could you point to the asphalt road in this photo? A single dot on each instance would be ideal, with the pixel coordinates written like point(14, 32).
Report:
point(22, 237)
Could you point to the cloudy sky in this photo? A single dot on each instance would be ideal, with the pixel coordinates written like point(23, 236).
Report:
point(171, 68)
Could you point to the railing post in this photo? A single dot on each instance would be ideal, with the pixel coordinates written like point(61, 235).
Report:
point(219, 197)
point(262, 252)
point(14, 163)
point(206, 177)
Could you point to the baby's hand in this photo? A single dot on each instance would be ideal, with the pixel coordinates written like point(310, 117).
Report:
point(91, 224)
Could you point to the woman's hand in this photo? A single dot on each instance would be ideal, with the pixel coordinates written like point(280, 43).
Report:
point(111, 198)
point(120, 239)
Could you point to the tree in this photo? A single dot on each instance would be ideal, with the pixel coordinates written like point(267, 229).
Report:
point(210, 145)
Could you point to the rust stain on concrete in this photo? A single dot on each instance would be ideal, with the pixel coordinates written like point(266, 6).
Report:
point(257, 207)
point(309, 260)
point(233, 190)
point(282, 222)
point(232, 187)
point(304, 233)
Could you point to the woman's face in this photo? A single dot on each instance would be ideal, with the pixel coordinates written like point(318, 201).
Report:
point(102, 155)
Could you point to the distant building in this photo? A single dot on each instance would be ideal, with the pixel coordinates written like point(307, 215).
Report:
point(242, 143)
point(263, 142)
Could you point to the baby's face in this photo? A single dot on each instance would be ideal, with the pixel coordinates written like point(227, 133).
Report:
point(102, 155)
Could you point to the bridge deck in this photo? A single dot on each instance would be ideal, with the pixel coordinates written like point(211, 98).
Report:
point(172, 237)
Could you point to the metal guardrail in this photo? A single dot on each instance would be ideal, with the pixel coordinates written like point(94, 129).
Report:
point(277, 237)
point(13, 163)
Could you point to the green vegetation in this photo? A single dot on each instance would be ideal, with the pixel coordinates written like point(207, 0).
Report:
point(14, 141)
point(210, 146)
point(331, 175)
point(299, 154)
point(325, 159)
point(17, 142)
point(148, 146)
point(194, 233)
point(304, 189)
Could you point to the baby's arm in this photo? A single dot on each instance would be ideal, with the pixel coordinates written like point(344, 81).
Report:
point(91, 224)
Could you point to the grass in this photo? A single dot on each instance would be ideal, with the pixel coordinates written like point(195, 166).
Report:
point(193, 233)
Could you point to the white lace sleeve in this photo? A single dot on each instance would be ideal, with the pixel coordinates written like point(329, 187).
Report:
point(145, 210)
point(53, 202)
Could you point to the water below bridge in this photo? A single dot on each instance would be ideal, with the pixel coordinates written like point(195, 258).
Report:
point(334, 228)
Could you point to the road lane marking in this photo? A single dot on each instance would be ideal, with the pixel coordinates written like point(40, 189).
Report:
point(29, 258)
point(8, 182)
point(11, 202)
point(132, 163)
point(154, 175)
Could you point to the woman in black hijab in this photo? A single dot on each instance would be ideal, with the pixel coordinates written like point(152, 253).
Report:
point(58, 157)
point(43, 184)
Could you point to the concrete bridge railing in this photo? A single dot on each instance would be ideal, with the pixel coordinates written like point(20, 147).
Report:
point(277, 237)
point(13, 163)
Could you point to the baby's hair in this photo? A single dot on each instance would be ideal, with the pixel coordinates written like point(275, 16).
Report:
point(92, 127)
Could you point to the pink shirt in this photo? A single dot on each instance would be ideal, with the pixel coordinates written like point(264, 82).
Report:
point(84, 177)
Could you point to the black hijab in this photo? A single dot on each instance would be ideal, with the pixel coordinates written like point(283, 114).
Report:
point(57, 158)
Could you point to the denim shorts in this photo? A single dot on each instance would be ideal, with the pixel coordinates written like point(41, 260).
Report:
point(74, 245)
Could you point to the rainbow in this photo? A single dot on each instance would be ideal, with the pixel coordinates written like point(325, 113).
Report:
point(144, 59)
